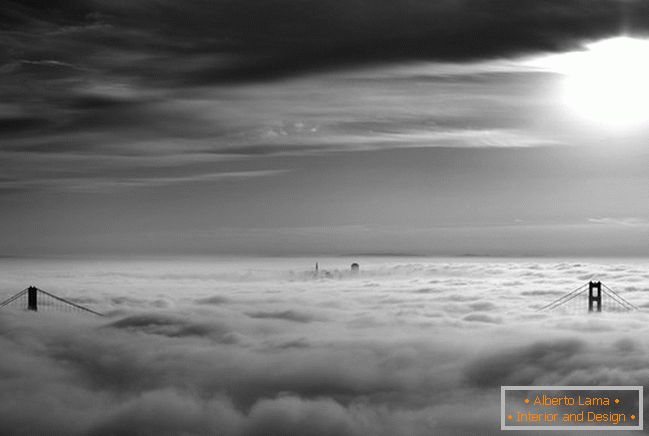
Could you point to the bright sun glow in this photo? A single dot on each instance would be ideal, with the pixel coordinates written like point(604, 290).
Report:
point(608, 83)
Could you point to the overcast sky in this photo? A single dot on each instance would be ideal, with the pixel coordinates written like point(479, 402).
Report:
point(295, 127)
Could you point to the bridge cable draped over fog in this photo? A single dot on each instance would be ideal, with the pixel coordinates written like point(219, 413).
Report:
point(35, 299)
point(593, 297)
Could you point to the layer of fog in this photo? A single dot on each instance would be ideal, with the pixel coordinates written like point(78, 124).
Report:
point(248, 346)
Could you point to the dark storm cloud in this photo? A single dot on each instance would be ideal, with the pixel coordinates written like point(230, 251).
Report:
point(207, 41)
point(19, 124)
point(113, 97)
point(106, 97)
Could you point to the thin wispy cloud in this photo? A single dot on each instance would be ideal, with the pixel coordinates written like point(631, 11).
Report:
point(98, 185)
point(623, 221)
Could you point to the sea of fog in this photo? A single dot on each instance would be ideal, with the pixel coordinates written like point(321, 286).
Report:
point(263, 346)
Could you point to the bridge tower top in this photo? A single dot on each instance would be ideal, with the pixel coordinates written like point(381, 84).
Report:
point(32, 298)
point(594, 296)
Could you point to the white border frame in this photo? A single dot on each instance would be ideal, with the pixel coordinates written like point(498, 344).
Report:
point(503, 421)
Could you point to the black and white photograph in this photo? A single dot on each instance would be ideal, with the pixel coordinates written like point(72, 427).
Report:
point(323, 217)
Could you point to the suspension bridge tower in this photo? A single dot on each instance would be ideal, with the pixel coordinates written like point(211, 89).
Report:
point(594, 296)
point(34, 299)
